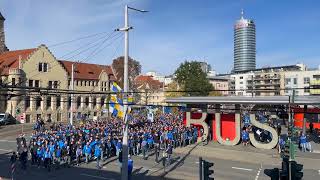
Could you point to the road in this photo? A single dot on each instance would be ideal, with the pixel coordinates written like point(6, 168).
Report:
point(230, 163)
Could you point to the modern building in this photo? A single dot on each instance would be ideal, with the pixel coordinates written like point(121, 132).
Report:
point(244, 45)
point(275, 81)
point(240, 83)
point(306, 82)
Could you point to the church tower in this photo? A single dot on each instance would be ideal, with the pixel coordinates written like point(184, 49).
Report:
point(3, 46)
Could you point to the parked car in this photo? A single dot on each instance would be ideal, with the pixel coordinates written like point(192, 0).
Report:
point(6, 118)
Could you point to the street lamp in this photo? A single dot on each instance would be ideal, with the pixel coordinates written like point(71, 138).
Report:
point(125, 29)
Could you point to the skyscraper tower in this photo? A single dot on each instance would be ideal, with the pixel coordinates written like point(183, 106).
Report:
point(3, 46)
point(244, 45)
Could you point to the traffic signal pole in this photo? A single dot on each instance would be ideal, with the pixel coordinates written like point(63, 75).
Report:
point(290, 122)
point(200, 169)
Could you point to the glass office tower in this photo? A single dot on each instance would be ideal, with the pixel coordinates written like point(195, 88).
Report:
point(244, 45)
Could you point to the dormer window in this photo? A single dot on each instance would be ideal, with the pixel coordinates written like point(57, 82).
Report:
point(43, 67)
point(90, 72)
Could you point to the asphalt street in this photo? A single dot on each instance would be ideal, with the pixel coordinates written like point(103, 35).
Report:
point(230, 163)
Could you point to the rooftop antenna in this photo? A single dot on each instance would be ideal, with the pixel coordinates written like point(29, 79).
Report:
point(242, 13)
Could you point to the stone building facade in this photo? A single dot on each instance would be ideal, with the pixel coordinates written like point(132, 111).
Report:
point(35, 82)
point(28, 70)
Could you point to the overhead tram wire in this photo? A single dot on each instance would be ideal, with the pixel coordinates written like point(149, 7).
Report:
point(98, 43)
point(36, 69)
point(117, 47)
point(37, 89)
point(108, 37)
point(77, 39)
point(81, 47)
point(72, 51)
point(97, 51)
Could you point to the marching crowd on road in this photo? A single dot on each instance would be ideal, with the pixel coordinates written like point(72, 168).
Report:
point(67, 145)
point(63, 145)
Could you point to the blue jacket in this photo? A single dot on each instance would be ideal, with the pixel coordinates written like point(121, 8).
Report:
point(92, 144)
point(130, 166)
point(245, 135)
point(39, 152)
point(58, 153)
point(47, 154)
point(97, 152)
point(170, 135)
point(61, 144)
point(51, 148)
point(303, 139)
point(87, 149)
point(119, 145)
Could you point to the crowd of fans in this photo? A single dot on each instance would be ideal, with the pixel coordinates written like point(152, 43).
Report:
point(66, 145)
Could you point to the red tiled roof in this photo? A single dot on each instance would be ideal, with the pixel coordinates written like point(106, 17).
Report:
point(143, 81)
point(85, 70)
point(10, 59)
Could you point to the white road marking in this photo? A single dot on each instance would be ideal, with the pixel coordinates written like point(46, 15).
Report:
point(3, 140)
point(6, 150)
point(319, 171)
point(316, 151)
point(98, 177)
point(258, 174)
point(241, 168)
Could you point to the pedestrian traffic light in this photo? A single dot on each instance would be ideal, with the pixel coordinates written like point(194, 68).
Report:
point(206, 170)
point(18, 111)
point(284, 174)
point(272, 173)
point(296, 171)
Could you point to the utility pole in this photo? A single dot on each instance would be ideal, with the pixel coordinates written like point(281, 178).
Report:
point(305, 108)
point(290, 130)
point(72, 88)
point(125, 152)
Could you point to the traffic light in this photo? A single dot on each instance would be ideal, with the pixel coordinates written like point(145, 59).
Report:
point(272, 173)
point(296, 171)
point(18, 111)
point(206, 170)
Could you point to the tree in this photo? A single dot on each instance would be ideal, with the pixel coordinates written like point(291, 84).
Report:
point(215, 93)
point(172, 87)
point(134, 69)
point(194, 81)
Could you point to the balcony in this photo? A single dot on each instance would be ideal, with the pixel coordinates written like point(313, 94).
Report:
point(268, 84)
point(314, 82)
point(315, 91)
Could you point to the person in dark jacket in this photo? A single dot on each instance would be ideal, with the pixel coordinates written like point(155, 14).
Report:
point(311, 127)
point(47, 159)
point(33, 151)
point(24, 158)
point(169, 152)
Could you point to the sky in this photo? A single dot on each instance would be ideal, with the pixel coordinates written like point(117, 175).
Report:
point(170, 33)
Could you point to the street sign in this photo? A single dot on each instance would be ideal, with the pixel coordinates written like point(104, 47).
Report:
point(22, 118)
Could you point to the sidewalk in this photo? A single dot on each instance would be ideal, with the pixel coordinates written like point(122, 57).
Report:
point(249, 154)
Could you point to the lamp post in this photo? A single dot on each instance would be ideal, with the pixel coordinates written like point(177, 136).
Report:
point(125, 29)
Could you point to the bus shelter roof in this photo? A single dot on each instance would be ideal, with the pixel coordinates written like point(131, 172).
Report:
point(273, 100)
